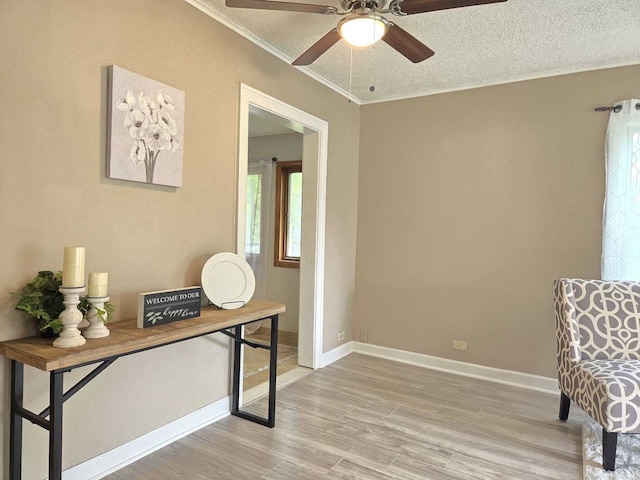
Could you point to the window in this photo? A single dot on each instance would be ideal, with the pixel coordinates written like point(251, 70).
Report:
point(288, 214)
point(621, 226)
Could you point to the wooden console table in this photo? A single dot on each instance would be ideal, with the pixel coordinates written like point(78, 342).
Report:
point(125, 339)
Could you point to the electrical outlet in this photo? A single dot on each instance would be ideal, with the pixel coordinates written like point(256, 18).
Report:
point(364, 335)
point(340, 336)
point(458, 345)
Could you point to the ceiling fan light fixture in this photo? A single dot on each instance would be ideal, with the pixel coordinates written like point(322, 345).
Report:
point(363, 30)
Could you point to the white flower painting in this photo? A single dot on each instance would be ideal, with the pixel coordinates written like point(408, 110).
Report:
point(146, 120)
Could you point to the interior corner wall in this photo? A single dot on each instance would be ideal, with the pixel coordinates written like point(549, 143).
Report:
point(282, 283)
point(471, 204)
point(54, 59)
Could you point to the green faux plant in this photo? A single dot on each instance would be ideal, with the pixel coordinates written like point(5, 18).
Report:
point(41, 300)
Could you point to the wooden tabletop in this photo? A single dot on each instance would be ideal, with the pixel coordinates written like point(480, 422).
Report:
point(126, 337)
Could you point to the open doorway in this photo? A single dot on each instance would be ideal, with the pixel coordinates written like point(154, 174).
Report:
point(273, 231)
point(296, 136)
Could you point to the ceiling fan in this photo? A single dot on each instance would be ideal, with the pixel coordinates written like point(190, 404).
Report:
point(364, 23)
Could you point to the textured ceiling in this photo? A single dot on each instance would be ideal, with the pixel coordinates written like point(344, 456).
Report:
point(475, 46)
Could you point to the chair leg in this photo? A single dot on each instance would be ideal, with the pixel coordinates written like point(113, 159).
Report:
point(565, 403)
point(609, 445)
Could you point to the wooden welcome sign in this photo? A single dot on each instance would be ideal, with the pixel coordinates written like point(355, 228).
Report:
point(166, 306)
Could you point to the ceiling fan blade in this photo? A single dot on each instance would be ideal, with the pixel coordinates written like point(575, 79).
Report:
point(406, 44)
point(318, 48)
point(285, 6)
point(411, 7)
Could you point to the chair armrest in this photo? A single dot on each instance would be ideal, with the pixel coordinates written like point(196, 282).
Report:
point(567, 334)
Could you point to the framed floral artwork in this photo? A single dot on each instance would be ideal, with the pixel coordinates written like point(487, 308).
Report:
point(146, 128)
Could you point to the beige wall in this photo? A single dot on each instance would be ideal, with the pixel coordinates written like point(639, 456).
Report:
point(471, 204)
point(282, 283)
point(53, 93)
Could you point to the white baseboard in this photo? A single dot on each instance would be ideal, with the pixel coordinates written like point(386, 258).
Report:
point(119, 457)
point(507, 377)
point(336, 354)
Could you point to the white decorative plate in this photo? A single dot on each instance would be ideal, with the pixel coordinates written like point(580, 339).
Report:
point(228, 281)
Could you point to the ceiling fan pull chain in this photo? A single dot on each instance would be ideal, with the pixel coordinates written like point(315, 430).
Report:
point(372, 87)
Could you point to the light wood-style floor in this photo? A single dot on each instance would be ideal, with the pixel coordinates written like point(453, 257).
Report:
point(256, 360)
point(365, 418)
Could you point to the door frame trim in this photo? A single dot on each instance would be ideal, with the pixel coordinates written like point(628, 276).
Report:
point(314, 162)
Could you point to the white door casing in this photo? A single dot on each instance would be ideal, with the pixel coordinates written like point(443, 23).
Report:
point(314, 169)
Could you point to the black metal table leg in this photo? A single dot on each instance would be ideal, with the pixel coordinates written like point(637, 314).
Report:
point(237, 367)
point(55, 433)
point(15, 436)
point(273, 371)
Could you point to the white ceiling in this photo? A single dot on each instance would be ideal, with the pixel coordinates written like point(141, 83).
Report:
point(475, 46)
point(261, 127)
point(263, 123)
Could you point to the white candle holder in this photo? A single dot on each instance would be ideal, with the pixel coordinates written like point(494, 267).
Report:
point(70, 335)
point(97, 328)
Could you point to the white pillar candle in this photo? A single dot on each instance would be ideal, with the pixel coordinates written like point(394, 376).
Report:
point(98, 284)
point(73, 267)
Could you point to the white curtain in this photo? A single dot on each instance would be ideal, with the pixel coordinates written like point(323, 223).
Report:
point(259, 221)
point(621, 219)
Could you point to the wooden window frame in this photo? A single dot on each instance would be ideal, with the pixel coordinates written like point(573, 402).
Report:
point(283, 171)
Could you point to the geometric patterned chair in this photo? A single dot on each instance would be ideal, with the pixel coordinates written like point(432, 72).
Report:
point(598, 339)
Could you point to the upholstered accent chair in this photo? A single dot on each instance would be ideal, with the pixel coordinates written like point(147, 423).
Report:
point(598, 338)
